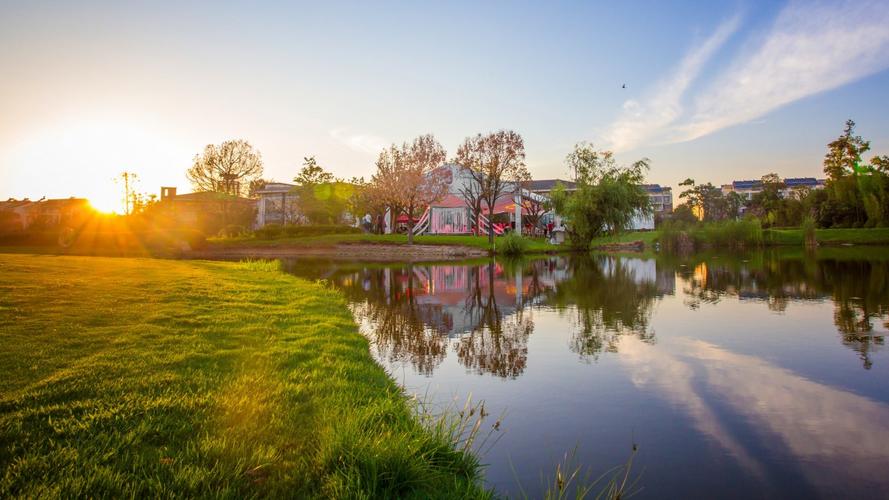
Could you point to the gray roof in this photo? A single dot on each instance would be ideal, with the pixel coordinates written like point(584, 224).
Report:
point(548, 184)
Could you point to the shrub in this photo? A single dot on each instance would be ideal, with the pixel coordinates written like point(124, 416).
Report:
point(269, 232)
point(320, 230)
point(808, 227)
point(512, 244)
point(232, 231)
point(273, 231)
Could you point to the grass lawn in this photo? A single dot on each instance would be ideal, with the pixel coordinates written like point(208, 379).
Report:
point(535, 245)
point(139, 377)
point(861, 236)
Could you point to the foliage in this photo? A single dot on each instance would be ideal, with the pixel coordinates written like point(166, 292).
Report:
point(321, 198)
point(856, 195)
point(684, 213)
point(161, 378)
point(273, 231)
point(512, 244)
point(607, 196)
point(227, 168)
point(709, 203)
point(808, 229)
point(408, 178)
point(496, 162)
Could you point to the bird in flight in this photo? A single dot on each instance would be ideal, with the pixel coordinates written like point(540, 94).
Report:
point(623, 86)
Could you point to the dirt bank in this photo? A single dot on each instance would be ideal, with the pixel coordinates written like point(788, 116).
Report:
point(375, 252)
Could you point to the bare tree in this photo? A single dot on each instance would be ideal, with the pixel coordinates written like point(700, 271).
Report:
point(497, 163)
point(227, 168)
point(471, 192)
point(409, 177)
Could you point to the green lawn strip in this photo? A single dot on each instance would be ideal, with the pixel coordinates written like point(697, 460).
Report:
point(139, 377)
point(779, 237)
point(535, 245)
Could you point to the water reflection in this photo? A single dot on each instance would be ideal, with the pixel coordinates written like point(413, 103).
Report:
point(484, 311)
point(840, 436)
point(858, 289)
point(734, 371)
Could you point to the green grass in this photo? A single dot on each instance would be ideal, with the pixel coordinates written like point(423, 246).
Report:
point(535, 245)
point(145, 378)
point(647, 237)
point(775, 237)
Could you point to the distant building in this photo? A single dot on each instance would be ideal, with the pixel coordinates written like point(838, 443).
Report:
point(46, 213)
point(546, 186)
point(746, 189)
point(205, 211)
point(277, 204)
point(661, 198)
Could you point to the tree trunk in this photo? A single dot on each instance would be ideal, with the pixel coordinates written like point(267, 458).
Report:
point(490, 223)
point(410, 225)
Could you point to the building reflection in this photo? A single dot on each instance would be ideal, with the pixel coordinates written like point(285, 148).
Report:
point(484, 311)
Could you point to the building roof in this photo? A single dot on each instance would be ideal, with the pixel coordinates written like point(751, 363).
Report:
point(203, 196)
point(548, 184)
point(746, 184)
point(275, 187)
point(656, 188)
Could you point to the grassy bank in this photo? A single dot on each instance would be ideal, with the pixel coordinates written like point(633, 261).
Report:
point(137, 377)
point(535, 245)
point(772, 237)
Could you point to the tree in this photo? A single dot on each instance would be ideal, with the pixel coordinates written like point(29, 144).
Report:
point(321, 197)
point(768, 204)
point(607, 196)
point(129, 181)
point(535, 209)
point(708, 202)
point(409, 178)
point(471, 192)
point(496, 162)
point(844, 154)
point(312, 173)
point(227, 168)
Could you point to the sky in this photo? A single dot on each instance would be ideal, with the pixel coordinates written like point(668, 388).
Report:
point(715, 91)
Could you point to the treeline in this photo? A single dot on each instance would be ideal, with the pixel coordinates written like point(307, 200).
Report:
point(855, 194)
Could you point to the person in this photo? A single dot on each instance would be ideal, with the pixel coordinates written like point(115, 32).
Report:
point(549, 229)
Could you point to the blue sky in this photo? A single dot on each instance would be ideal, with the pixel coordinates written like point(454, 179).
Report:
point(715, 91)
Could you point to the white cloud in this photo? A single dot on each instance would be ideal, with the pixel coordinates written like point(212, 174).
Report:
point(363, 143)
point(810, 48)
point(646, 120)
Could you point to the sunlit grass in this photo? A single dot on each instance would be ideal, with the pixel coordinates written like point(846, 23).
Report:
point(145, 378)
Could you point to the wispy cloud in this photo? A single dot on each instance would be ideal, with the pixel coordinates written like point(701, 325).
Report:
point(810, 48)
point(648, 119)
point(361, 142)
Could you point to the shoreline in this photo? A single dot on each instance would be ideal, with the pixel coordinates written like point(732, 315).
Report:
point(379, 252)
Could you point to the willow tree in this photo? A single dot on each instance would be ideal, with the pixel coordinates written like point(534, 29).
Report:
point(496, 163)
point(227, 168)
point(607, 197)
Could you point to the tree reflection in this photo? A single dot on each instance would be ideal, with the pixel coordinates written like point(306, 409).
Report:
point(495, 345)
point(611, 299)
point(859, 289)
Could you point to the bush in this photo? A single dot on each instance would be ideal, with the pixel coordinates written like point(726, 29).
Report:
point(512, 244)
point(269, 232)
point(808, 227)
point(232, 231)
point(274, 231)
point(320, 230)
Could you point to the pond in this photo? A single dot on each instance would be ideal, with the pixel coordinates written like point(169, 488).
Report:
point(762, 374)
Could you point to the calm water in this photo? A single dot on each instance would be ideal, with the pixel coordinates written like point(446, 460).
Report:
point(737, 376)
